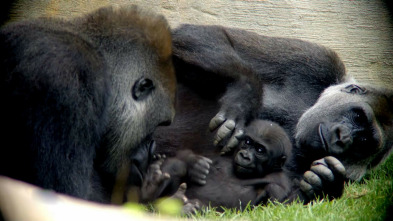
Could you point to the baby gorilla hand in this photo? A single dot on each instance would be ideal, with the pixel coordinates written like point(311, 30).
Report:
point(199, 170)
point(153, 183)
point(326, 176)
point(197, 166)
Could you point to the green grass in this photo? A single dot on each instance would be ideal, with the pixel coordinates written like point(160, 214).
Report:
point(366, 200)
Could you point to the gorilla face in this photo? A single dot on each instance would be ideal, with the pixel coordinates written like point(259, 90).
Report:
point(351, 122)
point(264, 149)
point(139, 60)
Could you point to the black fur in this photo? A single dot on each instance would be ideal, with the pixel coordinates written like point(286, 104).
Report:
point(294, 73)
point(70, 121)
point(254, 174)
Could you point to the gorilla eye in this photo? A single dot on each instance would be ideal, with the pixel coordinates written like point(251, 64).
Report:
point(142, 88)
point(247, 141)
point(354, 89)
point(260, 149)
point(359, 117)
point(363, 139)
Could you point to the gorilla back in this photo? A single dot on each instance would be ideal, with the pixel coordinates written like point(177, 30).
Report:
point(77, 95)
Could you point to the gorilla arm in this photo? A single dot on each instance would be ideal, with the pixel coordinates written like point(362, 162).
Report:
point(165, 176)
point(212, 58)
point(206, 61)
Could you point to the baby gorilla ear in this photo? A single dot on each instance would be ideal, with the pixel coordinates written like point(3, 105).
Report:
point(142, 88)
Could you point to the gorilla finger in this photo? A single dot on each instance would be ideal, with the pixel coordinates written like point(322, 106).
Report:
point(216, 121)
point(199, 181)
point(202, 164)
point(224, 131)
point(225, 150)
point(307, 188)
point(313, 179)
point(154, 167)
point(158, 180)
point(324, 172)
point(234, 141)
point(180, 193)
point(208, 160)
point(199, 174)
point(167, 175)
point(335, 165)
point(156, 156)
point(157, 172)
point(320, 162)
point(188, 209)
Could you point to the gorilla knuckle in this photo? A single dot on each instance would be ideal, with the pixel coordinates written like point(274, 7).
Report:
point(323, 172)
point(312, 179)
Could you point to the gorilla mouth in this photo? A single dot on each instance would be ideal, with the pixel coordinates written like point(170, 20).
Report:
point(244, 169)
point(140, 164)
point(321, 130)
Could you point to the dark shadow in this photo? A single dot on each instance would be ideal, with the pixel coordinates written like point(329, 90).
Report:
point(5, 8)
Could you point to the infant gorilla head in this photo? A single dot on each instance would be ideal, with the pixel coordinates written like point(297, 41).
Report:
point(264, 149)
point(350, 121)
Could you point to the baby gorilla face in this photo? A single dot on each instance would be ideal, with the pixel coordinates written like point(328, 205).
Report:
point(263, 149)
point(250, 157)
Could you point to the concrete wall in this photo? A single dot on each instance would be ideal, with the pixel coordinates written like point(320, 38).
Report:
point(361, 31)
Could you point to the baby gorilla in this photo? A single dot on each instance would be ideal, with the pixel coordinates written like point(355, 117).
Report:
point(264, 150)
point(254, 174)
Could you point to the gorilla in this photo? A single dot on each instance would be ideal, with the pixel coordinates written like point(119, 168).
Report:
point(264, 149)
point(228, 77)
point(254, 174)
point(82, 99)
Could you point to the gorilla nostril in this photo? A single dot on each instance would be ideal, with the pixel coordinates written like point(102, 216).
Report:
point(165, 123)
point(342, 135)
point(244, 155)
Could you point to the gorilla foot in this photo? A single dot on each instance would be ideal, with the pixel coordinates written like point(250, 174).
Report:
point(153, 183)
point(189, 206)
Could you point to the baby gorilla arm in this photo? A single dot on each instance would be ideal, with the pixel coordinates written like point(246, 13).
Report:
point(166, 175)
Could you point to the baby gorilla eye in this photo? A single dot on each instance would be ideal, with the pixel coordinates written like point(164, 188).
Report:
point(247, 141)
point(260, 149)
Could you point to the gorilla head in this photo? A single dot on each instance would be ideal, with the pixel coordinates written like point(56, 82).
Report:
point(83, 98)
point(352, 122)
point(263, 150)
point(147, 77)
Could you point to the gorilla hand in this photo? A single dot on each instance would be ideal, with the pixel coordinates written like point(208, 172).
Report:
point(153, 184)
point(197, 166)
point(199, 170)
point(239, 105)
point(326, 176)
point(228, 130)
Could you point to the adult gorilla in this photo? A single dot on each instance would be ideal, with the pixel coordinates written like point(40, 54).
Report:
point(351, 122)
point(81, 99)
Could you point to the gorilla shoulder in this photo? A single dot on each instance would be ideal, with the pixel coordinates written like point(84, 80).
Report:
point(83, 97)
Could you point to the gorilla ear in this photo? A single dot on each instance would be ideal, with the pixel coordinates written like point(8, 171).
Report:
point(142, 88)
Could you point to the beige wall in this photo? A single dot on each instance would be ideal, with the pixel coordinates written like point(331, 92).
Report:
point(361, 31)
